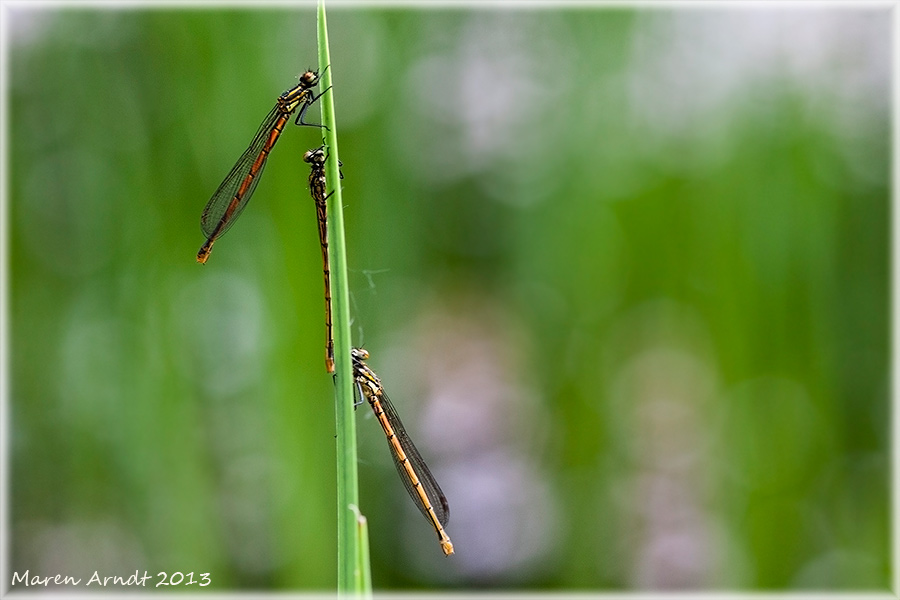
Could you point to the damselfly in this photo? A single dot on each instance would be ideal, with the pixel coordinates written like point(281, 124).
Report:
point(317, 189)
point(229, 200)
point(417, 479)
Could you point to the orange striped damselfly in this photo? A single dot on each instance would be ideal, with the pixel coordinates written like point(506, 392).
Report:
point(417, 479)
point(229, 200)
point(318, 190)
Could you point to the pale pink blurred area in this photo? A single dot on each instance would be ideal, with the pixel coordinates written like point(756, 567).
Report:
point(465, 359)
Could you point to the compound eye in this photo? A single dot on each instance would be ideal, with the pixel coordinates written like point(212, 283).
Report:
point(310, 77)
point(308, 156)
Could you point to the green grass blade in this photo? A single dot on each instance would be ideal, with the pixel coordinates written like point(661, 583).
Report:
point(349, 573)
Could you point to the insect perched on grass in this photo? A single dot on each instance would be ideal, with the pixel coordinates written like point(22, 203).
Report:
point(234, 193)
point(318, 190)
point(418, 480)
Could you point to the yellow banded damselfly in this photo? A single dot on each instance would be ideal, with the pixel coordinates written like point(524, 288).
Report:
point(418, 480)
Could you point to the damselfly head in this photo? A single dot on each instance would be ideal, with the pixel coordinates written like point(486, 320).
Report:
point(316, 156)
point(309, 79)
point(359, 354)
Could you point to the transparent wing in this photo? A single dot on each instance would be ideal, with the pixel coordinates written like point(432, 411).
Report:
point(227, 203)
point(431, 487)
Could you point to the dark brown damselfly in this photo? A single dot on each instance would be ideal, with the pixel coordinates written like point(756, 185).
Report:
point(318, 190)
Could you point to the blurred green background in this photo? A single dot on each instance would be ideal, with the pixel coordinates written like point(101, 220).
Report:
point(624, 273)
